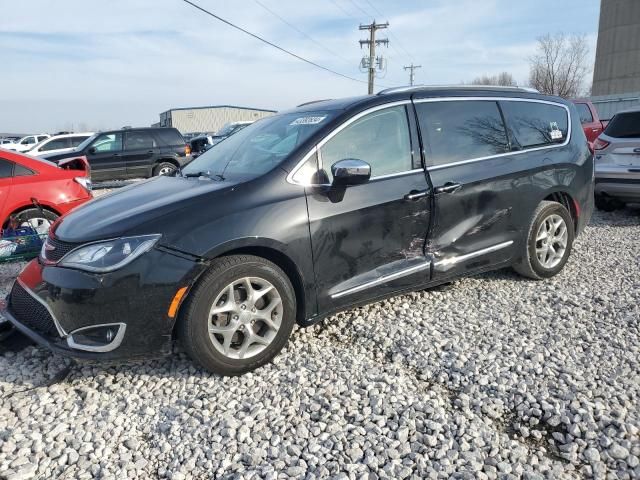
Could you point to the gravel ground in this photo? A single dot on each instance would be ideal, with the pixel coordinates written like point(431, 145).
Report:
point(493, 377)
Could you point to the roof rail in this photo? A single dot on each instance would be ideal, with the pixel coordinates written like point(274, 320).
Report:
point(313, 101)
point(418, 88)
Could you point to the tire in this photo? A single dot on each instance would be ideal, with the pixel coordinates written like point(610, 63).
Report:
point(531, 265)
point(167, 167)
point(607, 204)
point(221, 351)
point(39, 221)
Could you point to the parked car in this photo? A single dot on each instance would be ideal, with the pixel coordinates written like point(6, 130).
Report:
point(591, 123)
point(25, 143)
point(131, 153)
point(5, 141)
point(57, 189)
point(60, 143)
point(308, 212)
point(617, 162)
point(204, 142)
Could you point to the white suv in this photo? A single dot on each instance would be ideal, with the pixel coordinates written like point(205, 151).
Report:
point(25, 143)
point(59, 143)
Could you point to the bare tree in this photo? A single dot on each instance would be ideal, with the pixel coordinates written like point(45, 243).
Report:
point(559, 66)
point(503, 79)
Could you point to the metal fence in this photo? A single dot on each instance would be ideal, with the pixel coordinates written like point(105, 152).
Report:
point(608, 105)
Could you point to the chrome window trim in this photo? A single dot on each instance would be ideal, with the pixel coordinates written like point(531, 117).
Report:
point(333, 133)
point(59, 328)
point(446, 262)
point(317, 147)
point(383, 279)
point(115, 343)
point(499, 155)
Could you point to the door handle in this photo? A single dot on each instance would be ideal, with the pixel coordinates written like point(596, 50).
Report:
point(416, 194)
point(150, 151)
point(448, 187)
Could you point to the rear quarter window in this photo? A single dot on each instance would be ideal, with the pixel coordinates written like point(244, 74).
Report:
point(169, 137)
point(533, 124)
point(624, 125)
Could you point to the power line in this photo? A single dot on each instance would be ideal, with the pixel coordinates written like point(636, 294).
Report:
point(304, 34)
point(263, 40)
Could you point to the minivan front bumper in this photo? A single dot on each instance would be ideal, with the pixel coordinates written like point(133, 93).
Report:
point(114, 316)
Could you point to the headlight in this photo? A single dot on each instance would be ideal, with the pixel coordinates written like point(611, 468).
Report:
point(110, 255)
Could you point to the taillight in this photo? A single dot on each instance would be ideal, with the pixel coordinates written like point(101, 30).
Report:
point(187, 150)
point(84, 182)
point(600, 144)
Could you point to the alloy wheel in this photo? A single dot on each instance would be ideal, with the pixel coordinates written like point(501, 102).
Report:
point(166, 170)
point(245, 317)
point(551, 241)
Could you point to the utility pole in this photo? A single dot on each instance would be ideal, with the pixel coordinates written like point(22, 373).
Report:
point(371, 43)
point(412, 69)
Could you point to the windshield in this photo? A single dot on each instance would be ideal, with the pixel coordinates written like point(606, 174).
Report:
point(259, 147)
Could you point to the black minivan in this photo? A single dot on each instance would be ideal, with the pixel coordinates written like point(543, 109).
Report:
point(330, 205)
point(131, 153)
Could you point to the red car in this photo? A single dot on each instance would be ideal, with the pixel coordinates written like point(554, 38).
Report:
point(36, 192)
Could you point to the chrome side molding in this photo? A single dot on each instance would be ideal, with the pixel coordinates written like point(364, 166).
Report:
point(445, 263)
point(383, 279)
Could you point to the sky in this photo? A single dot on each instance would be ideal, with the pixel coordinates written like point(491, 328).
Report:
point(91, 64)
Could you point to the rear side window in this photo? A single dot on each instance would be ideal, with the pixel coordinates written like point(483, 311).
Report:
point(21, 171)
point(139, 140)
point(461, 130)
point(55, 144)
point(75, 141)
point(624, 125)
point(6, 168)
point(169, 136)
point(584, 112)
point(533, 124)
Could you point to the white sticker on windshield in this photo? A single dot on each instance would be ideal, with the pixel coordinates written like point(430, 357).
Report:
point(308, 120)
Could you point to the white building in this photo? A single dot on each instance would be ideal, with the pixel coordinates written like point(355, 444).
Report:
point(209, 119)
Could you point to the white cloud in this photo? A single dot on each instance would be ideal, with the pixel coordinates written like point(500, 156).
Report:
point(122, 62)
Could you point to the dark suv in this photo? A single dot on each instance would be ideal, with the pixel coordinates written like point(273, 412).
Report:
point(309, 212)
point(131, 153)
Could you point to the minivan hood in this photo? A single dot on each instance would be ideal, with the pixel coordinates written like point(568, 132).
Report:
point(137, 209)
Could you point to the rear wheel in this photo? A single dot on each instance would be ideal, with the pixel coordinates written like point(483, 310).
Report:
point(607, 204)
point(239, 316)
point(549, 242)
point(164, 168)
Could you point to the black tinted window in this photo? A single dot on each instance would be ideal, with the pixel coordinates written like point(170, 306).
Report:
point(169, 136)
point(21, 171)
point(584, 112)
point(380, 138)
point(75, 141)
point(534, 124)
point(461, 130)
point(624, 125)
point(139, 140)
point(6, 168)
point(55, 144)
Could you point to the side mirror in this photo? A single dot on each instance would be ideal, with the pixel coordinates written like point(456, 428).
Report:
point(92, 151)
point(350, 171)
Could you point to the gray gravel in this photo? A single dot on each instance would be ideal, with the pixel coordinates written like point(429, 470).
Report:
point(494, 377)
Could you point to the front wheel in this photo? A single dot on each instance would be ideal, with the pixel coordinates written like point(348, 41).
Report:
point(549, 242)
point(38, 219)
point(239, 316)
point(164, 168)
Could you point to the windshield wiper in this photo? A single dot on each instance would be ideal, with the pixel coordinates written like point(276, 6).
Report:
point(203, 174)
